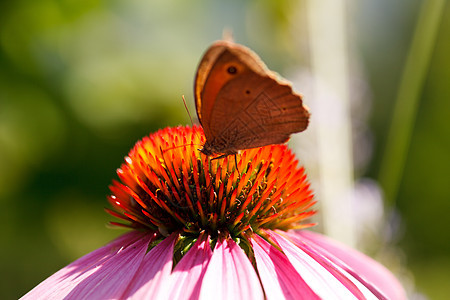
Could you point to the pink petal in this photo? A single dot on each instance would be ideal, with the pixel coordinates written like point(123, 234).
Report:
point(279, 278)
point(188, 274)
point(152, 277)
point(84, 277)
point(321, 276)
point(230, 275)
point(369, 272)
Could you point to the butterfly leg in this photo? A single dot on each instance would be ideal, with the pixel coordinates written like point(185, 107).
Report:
point(236, 165)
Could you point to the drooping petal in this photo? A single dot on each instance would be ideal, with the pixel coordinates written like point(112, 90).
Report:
point(103, 273)
point(321, 275)
point(112, 279)
point(188, 274)
point(369, 272)
point(230, 275)
point(279, 278)
point(150, 281)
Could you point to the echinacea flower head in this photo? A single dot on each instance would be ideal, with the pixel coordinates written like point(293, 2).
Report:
point(216, 228)
point(168, 185)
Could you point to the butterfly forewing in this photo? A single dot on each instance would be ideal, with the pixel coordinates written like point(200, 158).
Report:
point(212, 74)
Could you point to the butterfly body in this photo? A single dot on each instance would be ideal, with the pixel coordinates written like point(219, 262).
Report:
point(241, 104)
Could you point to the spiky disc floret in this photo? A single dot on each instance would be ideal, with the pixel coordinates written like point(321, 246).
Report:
point(168, 185)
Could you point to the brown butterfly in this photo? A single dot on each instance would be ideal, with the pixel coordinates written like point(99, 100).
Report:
point(241, 104)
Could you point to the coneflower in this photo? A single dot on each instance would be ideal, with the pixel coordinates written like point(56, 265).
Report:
point(208, 228)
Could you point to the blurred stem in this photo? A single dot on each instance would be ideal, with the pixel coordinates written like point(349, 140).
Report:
point(327, 25)
point(407, 101)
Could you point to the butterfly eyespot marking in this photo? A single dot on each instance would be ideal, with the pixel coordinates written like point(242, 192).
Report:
point(231, 70)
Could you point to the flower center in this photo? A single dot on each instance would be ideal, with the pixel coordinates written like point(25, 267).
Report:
point(168, 185)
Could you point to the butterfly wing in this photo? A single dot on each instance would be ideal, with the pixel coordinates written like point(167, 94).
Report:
point(212, 75)
point(241, 104)
point(256, 111)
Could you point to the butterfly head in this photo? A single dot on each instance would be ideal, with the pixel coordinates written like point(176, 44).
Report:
point(210, 149)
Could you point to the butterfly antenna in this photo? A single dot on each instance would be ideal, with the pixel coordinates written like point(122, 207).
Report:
point(187, 109)
point(179, 146)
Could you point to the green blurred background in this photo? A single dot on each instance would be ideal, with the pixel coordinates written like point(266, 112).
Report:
point(82, 81)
